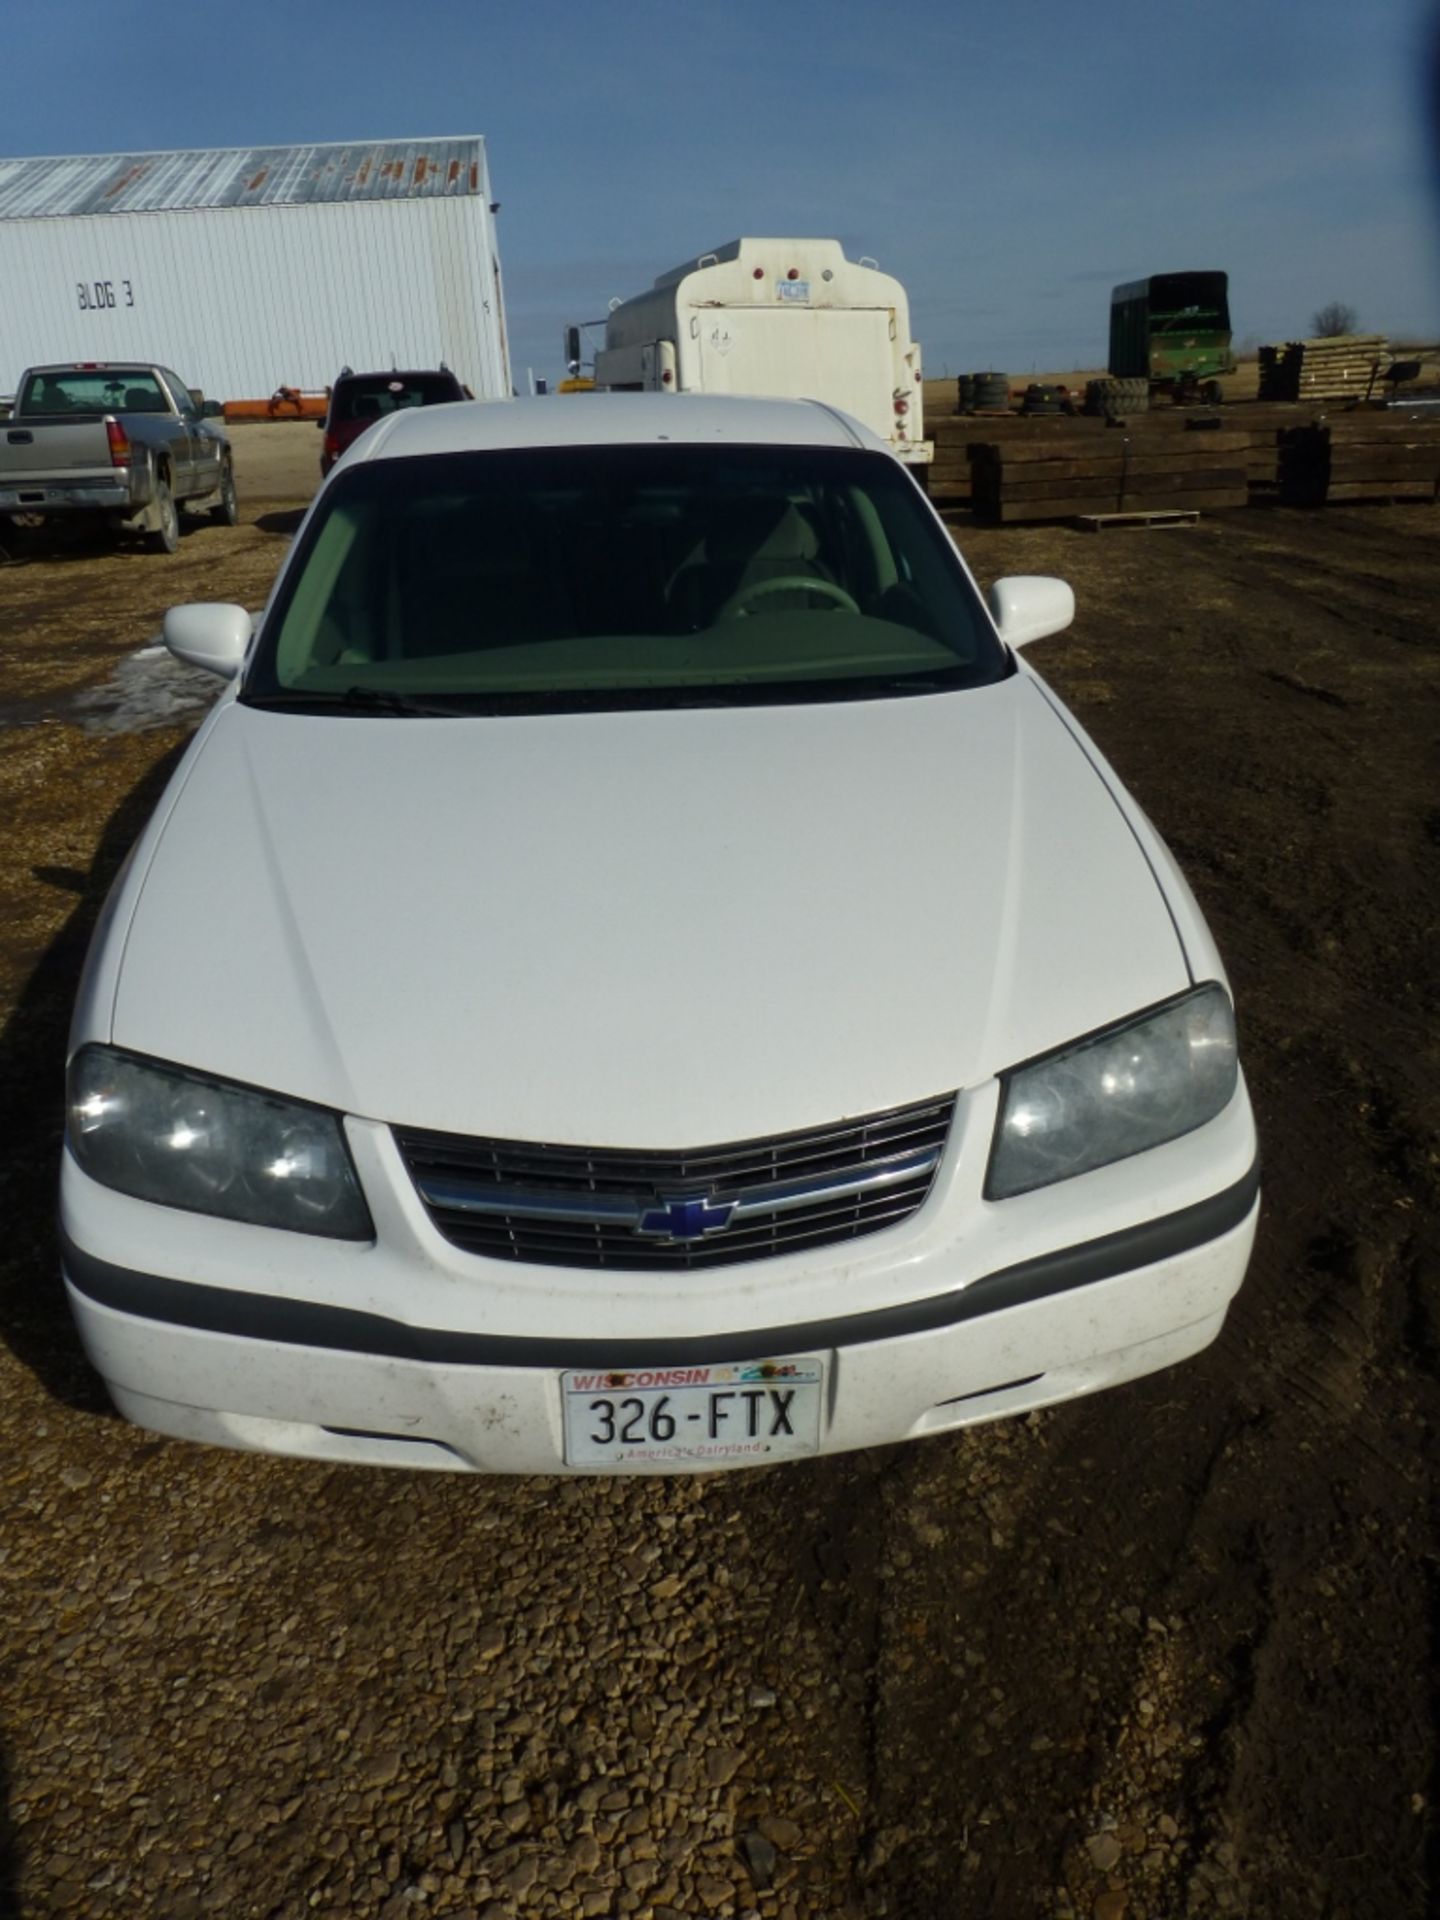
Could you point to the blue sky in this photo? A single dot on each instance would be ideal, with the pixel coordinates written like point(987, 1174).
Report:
point(1008, 162)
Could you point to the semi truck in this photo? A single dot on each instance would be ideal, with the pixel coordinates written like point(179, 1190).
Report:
point(792, 318)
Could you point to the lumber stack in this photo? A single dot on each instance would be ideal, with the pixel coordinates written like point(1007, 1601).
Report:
point(1255, 437)
point(1365, 456)
point(1280, 372)
point(1110, 472)
point(1342, 368)
point(1261, 459)
point(1247, 436)
point(1260, 426)
point(949, 480)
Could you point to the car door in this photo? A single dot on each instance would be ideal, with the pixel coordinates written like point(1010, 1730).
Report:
point(193, 472)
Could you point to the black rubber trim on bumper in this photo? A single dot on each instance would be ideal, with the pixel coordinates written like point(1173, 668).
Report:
point(266, 1317)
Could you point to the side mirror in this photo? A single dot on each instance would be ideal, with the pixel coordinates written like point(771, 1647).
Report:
point(211, 635)
point(1028, 606)
point(213, 410)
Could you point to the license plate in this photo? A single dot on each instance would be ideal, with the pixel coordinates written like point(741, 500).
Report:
point(698, 1416)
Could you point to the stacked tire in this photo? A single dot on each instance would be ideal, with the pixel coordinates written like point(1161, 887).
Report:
point(965, 396)
point(1042, 399)
point(990, 392)
point(1117, 398)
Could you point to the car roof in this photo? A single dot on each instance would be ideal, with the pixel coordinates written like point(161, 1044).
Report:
point(611, 419)
point(99, 366)
point(397, 373)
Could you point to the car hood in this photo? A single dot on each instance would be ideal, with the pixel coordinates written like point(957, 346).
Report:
point(640, 929)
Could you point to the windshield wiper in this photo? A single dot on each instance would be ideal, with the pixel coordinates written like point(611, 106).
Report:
point(837, 692)
point(351, 700)
point(913, 683)
point(386, 700)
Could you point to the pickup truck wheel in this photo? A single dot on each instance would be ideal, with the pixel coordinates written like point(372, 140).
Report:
point(165, 535)
point(226, 511)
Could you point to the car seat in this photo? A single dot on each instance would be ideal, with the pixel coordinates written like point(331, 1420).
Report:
point(746, 542)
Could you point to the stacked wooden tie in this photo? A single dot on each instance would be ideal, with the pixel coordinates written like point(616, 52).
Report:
point(949, 477)
point(1361, 456)
point(1342, 368)
point(1280, 372)
point(1112, 472)
point(1252, 431)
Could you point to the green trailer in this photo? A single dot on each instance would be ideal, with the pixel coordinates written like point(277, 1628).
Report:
point(1174, 331)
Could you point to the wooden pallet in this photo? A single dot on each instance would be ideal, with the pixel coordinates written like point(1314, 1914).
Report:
point(1100, 522)
point(1006, 513)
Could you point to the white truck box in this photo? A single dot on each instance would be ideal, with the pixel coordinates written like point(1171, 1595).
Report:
point(793, 318)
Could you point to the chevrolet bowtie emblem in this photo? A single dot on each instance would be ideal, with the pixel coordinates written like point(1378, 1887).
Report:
point(689, 1218)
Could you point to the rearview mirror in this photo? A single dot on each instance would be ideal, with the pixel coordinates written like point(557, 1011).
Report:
point(212, 635)
point(1028, 606)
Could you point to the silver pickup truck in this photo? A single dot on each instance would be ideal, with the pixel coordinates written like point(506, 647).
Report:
point(126, 444)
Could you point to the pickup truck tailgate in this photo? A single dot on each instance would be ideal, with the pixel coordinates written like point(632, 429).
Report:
point(48, 447)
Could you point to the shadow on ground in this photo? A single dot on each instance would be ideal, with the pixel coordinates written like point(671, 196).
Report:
point(34, 1321)
point(285, 522)
point(58, 541)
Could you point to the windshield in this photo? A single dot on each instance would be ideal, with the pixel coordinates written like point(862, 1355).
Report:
point(370, 397)
point(555, 578)
point(104, 390)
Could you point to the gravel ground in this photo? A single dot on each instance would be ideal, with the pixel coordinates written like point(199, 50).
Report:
point(1166, 1652)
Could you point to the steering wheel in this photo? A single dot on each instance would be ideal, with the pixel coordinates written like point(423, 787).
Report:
point(741, 605)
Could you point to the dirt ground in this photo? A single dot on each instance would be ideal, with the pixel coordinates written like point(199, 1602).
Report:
point(1170, 1651)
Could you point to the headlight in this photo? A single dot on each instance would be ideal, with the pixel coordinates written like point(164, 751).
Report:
point(162, 1134)
point(1117, 1094)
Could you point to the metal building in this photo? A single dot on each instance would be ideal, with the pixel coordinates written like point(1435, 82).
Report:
point(257, 267)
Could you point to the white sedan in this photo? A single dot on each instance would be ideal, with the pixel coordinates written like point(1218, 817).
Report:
point(637, 974)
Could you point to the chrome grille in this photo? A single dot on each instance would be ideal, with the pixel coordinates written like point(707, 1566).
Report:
point(591, 1207)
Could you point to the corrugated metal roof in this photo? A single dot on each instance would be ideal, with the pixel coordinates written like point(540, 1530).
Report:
point(241, 177)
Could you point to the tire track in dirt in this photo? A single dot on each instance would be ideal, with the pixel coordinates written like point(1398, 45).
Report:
point(1156, 1654)
point(1266, 1532)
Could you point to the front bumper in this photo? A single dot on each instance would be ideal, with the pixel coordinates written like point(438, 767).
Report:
point(410, 1352)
